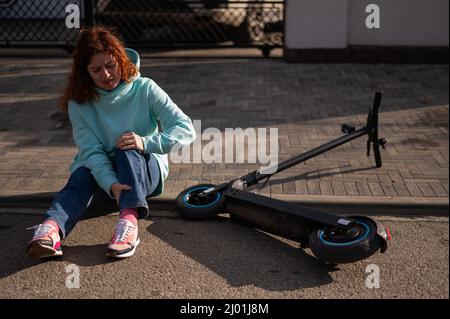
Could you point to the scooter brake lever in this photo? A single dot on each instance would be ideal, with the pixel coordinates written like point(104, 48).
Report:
point(382, 142)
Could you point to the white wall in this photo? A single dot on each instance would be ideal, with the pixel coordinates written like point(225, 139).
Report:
point(338, 23)
point(402, 22)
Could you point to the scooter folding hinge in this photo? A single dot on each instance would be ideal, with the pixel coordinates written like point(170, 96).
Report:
point(215, 189)
point(239, 184)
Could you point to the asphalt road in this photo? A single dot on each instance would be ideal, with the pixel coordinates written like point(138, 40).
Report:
point(220, 259)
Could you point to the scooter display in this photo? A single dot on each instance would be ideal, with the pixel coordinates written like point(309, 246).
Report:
point(332, 238)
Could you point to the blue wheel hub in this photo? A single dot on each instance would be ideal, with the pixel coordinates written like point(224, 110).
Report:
point(350, 237)
point(195, 199)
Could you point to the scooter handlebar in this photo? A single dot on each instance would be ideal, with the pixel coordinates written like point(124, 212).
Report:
point(377, 102)
point(372, 124)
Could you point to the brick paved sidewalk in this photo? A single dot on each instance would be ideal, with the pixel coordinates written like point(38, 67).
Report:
point(307, 103)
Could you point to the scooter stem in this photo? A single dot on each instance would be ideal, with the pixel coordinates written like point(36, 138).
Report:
point(371, 129)
point(372, 125)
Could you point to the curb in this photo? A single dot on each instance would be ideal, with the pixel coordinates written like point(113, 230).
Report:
point(386, 206)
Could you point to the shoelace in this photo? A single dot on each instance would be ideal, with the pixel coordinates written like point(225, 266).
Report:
point(42, 229)
point(122, 231)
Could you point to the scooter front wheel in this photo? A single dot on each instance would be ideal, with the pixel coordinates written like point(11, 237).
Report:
point(334, 247)
point(192, 206)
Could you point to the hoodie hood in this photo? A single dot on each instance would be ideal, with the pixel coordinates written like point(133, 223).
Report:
point(134, 57)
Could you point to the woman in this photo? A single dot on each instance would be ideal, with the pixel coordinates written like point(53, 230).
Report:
point(114, 113)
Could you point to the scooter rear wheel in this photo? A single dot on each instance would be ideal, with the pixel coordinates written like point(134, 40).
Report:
point(200, 208)
point(356, 244)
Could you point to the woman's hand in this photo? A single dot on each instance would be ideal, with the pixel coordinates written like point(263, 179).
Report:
point(129, 141)
point(117, 189)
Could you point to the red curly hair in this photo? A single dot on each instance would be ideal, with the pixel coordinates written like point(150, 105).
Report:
point(98, 39)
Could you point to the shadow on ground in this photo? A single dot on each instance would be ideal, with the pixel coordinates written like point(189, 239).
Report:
point(243, 256)
point(300, 93)
point(240, 255)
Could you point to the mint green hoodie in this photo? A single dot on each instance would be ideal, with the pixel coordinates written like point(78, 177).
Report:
point(134, 106)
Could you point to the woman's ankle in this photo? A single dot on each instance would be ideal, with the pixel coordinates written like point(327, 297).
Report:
point(130, 214)
point(53, 223)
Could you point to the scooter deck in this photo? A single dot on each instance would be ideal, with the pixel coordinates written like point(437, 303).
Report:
point(277, 217)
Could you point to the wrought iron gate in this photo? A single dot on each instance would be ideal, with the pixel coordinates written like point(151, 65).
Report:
point(148, 23)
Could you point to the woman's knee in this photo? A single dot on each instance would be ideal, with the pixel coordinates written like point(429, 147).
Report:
point(78, 190)
point(124, 154)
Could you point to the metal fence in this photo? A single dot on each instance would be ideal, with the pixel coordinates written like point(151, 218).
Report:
point(147, 23)
point(36, 22)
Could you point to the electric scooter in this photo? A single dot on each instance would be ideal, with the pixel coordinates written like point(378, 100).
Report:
point(332, 238)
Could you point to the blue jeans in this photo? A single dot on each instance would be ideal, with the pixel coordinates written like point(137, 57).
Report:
point(140, 171)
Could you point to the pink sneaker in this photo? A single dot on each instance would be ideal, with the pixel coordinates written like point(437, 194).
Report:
point(45, 243)
point(124, 241)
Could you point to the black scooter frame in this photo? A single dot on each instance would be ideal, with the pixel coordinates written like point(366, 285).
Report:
point(290, 220)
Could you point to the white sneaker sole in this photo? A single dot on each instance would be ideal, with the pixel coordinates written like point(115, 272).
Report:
point(128, 254)
point(37, 250)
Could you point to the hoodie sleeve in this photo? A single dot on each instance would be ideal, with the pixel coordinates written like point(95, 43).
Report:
point(176, 126)
point(91, 151)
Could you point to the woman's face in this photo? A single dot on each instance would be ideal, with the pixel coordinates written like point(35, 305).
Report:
point(104, 71)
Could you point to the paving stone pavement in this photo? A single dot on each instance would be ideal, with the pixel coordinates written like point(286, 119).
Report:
point(307, 103)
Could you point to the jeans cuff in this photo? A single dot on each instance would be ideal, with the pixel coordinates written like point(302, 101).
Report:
point(140, 205)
